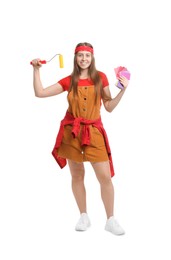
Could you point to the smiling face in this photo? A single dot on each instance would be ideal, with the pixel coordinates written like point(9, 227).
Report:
point(84, 59)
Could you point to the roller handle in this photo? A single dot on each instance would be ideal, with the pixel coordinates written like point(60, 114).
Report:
point(41, 61)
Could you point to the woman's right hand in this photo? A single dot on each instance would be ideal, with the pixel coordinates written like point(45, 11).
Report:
point(36, 63)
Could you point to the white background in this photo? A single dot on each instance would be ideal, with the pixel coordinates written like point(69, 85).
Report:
point(37, 209)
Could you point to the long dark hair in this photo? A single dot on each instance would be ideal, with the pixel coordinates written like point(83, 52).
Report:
point(93, 74)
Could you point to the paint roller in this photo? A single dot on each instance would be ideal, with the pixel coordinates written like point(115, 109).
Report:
point(61, 61)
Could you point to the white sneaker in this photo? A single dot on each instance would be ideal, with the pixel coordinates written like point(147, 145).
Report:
point(113, 226)
point(83, 223)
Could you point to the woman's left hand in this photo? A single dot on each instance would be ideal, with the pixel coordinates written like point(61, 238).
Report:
point(124, 81)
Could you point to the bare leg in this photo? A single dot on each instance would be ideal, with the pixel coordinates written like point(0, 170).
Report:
point(102, 170)
point(78, 188)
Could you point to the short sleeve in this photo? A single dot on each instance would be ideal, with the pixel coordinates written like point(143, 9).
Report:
point(104, 78)
point(65, 83)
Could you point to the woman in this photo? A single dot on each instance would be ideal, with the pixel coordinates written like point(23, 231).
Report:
point(81, 136)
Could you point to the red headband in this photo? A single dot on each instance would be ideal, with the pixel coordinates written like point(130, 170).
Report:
point(84, 48)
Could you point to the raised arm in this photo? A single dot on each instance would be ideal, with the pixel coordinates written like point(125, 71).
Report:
point(111, 103)
point(37, 84)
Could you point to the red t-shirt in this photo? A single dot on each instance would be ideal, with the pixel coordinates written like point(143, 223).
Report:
point(65, 82)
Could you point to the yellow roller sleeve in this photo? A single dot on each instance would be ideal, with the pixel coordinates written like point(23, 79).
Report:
point(61, 61)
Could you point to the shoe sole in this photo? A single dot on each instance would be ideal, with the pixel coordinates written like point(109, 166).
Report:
point(78, 229)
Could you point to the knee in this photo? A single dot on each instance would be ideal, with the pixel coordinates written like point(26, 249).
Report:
point(77, 172)
point(105, 180)
point(79, 177)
